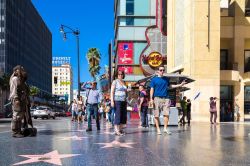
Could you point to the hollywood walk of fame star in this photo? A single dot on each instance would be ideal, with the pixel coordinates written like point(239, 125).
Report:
point(117, 144)
point(107, 133)
point(52, 157)
point(74, 138)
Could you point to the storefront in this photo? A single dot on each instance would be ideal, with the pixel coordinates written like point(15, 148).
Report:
point(247, 100)
point(226, 103)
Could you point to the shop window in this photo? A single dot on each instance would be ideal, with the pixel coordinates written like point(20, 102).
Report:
point(247, 61)
point(247, 100)
point(226, 103)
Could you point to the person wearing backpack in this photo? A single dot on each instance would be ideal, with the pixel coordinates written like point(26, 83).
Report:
point(143, 106)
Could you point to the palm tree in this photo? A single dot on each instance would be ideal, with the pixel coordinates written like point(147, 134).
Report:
point(94, 57)
point(4, 87)
point(4, 82)
point(34, 91)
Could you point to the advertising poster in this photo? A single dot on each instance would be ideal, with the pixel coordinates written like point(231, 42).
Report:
point(125, 53)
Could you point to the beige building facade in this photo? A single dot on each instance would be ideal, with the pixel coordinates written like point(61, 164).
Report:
point(209, 41)
point(62, 79)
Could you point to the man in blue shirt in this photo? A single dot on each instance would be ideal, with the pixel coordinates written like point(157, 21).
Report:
point(94, 97)
point(159, 97)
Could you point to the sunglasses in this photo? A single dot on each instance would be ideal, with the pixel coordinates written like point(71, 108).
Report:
point(162, 70)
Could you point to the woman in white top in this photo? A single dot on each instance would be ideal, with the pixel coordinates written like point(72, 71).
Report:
point(73, 107)
point(80, 106)
point(118, 101)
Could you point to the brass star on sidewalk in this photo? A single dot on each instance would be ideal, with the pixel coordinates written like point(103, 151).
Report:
point(107, 133)
point(52, 157)
point(74, 138)
point(117, 144)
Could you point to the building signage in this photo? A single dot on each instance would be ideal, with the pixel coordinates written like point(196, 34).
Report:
point(154, 59)
point(65, 83)
point(126, 69)
point(58, 61)
point(125, 53)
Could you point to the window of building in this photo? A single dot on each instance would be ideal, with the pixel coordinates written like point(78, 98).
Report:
point(247, 8)
point(247, 100)
point(164, 17)
point(129, 7)
point(247, 61)
point(55, 80)
point(129, 21)
point(223, 59)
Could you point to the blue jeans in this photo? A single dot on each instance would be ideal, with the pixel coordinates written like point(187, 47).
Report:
point(93, 109)
point(144, 116)
point(111, 114)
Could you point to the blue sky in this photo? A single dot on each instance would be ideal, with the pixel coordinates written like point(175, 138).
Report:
point(94, 19)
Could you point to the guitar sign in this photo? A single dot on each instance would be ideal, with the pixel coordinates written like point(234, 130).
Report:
point(155, 53)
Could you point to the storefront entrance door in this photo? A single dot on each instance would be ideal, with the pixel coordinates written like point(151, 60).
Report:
point(226, 104)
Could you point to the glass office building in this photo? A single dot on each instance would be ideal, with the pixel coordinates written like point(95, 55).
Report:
point(26, 40)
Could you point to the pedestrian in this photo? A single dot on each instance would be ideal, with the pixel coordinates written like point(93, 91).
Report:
point(94, 97)
point(183, 110)
point(160, 98)
point(118, 102)
point(80, 107)
point(143, 106)
point(188, 111)
point(18, 100)
point(101, 110)
point(236, 111)
point(213, 110)
point(74, 112)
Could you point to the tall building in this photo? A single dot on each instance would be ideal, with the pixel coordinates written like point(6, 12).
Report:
point(62, 81)
point(26, 40)
point(211, 43)
point(138, 23)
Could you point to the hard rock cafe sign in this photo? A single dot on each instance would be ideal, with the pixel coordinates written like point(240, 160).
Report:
point(155, 52)
point(154, 59)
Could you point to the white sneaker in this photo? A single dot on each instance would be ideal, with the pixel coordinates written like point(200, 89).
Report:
point(167, 132)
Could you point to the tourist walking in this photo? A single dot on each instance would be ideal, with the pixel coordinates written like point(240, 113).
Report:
point(213, 110)
point(188, 111)
point(73, 107)
point(183, 110)
point(80, 106)
point(160, 98)
point(94, 97)
point(143, 106)
point(236, 111)
point(118, 102)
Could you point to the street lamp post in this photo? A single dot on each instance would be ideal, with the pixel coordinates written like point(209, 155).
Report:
point(76, 33)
